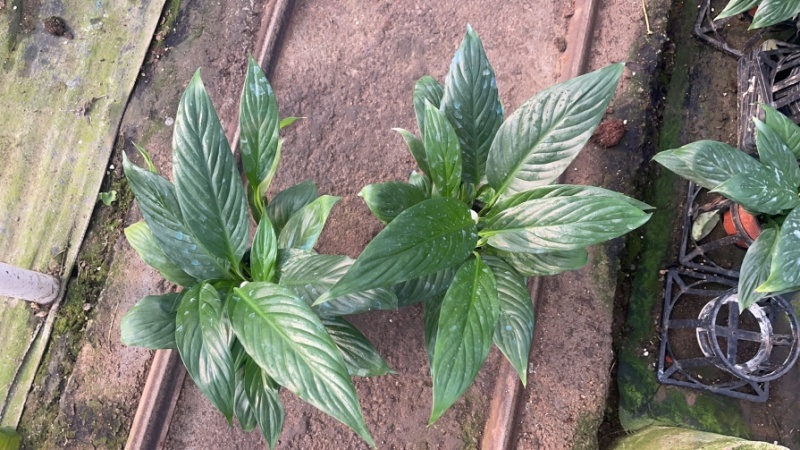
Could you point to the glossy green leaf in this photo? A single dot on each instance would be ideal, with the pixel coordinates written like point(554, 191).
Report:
point(423, 288)
point(736, 7)
point(771, 12)
point(775, 154)
point(289, 201)
point(151, 322)
point(432, 308)
point(430, 236)
point(443, 153)
point(543, 264)
point(142, 240)
point(264, 252)
point(467, 322)
point(541, 138)
point(755, 268)
point(784, 272)
point(9, 439)
point(421, 181)
point(258, 124)
point(472, 104)
point(360, 357)
point(146, 156)
point(416, 147)
point(241, 405)
point(256, 197)
point(788, 131)
point(426, 89)
point(304, 227)
point(388, 200)
point(707, 163)
point(207, 183)
point(284, 336)
point(159, 204)
point(265, 401)
point(514, 330)
point(204, 339)
point(762, 190)
point(308, 276)
point(561, 223)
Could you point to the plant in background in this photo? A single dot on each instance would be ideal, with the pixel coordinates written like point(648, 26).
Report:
point(769, 12)
point(767, 186)
point(243, 323)
point(482, 215)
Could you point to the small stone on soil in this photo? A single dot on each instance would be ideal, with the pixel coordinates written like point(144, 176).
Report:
point(609, 133)
point(57, 27)
point(561, 44)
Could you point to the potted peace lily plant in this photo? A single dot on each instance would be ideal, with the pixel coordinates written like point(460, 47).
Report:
point(482, 215)
point(767, 187)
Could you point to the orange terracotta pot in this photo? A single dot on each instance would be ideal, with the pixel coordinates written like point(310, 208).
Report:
point(747, 224)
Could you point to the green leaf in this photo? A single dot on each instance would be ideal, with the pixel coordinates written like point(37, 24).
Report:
point(788, 131)
point(143, 242)
point(771, 12)
point(472, 105)
point(207, 183)
point(159, 205)
point(514, 330)
point(775, 154)
point(304, 227)
point(151, 322)
point(707, 163)
point(284, 336)
point(426, 238)
point(543, 264)
point(421, 181)
point(784, 272)
point(426, 90)
point(442, 152)
point(9, 439)
point(467, 321)
point(541, 138)
point(258, 122)
point(432, 309)
point(761, 190)
point(416, 148)
point(264, 253)
point(108, 198)
point(265, 402)
point(360, 357)
point(388, 200)
point(308, 276)
point(241, 405)
point(736, 7)
point(289, 201)
point(561, 223)
point(288, 121)
point(423, 288)
point(146, 156)
point(755, 268)
point(204, 339)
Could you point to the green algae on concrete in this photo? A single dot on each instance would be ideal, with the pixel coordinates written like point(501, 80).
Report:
point(62, 100)
point(659, 438)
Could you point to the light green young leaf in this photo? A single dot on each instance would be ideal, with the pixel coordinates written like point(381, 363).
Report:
point(207, 183)
point(514, 331)
point(416, 148)
point(707, 163)
point(143, 242)
point(784, 272)
point(288, 121)
point(762, 190)
point(775, 154)
point(771, 12)
point(426, 238)
point(204, 340)
point(472, 105)
point(308, 276)
point(258, 122)
point(265, 401)
point(788, 131)
point(423, 288)
point(151, 322)
point(264, 253)
point(467, 322)
point(442, 152)
point(541, 138)
point(755, 268)
point(543, 264)
point(360, 357)
point(561, 223)
point(432, 308)
point(304, 226)
point(288, 341)
point(426, 90)
point(159, 205)
point(9, 439)
point(146, 156)
point(289, 201)
point(704, 224)
point(387, 200)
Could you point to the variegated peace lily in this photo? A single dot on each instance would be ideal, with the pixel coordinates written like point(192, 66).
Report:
point(244, 323)
point(769, 12)
point(767, 186)
point(482, 215)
